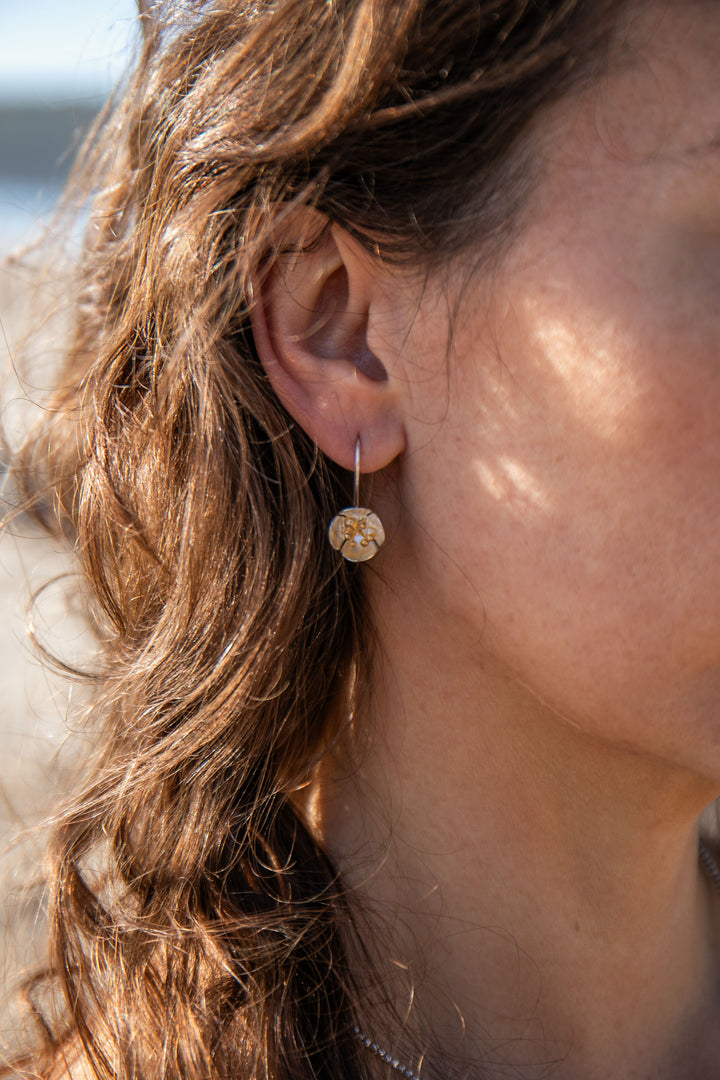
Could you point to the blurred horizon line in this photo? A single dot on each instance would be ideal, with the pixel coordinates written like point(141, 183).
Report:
point(59, 92)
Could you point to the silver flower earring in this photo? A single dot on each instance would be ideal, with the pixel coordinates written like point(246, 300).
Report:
point(356, 532)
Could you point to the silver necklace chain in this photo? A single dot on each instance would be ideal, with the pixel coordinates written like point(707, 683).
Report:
point(376, 1049)
point(709, 865)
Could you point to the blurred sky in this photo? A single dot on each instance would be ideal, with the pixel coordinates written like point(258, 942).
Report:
point(62, 49)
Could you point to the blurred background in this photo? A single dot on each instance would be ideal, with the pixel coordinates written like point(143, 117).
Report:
point(58, 62)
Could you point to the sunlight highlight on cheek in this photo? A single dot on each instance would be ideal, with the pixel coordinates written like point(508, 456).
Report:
point(594, 376)
point(508, 481)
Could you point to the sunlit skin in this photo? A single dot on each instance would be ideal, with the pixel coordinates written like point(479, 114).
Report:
point(546, 713)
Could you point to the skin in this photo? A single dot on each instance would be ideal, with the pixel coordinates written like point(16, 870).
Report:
point(545, 716)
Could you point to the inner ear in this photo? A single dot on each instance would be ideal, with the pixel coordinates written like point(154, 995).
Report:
point(337, 329)
point(326, 333)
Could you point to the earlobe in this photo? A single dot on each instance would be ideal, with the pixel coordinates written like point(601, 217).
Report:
point(310, 322)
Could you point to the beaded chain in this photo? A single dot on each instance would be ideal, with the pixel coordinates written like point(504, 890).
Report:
point(384, 1056)
point(709, 865)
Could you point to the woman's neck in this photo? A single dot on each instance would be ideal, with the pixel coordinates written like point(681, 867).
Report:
point(538, 888)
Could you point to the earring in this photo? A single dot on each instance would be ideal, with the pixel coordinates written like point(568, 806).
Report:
point(356, 532)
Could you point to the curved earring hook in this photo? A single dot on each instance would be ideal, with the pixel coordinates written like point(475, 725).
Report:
point(356, 485)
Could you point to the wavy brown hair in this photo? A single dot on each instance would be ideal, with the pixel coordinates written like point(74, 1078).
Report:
point(197, 927)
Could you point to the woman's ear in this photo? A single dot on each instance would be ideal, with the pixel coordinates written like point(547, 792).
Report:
point(311, 320)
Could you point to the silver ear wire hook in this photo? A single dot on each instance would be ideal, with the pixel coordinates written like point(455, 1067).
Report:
point(356, 485)
point(356, 532)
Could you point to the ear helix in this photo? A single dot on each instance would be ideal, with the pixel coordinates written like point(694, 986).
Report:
point(356, 532)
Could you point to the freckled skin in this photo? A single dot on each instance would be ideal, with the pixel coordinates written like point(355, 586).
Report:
point(570, 467)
